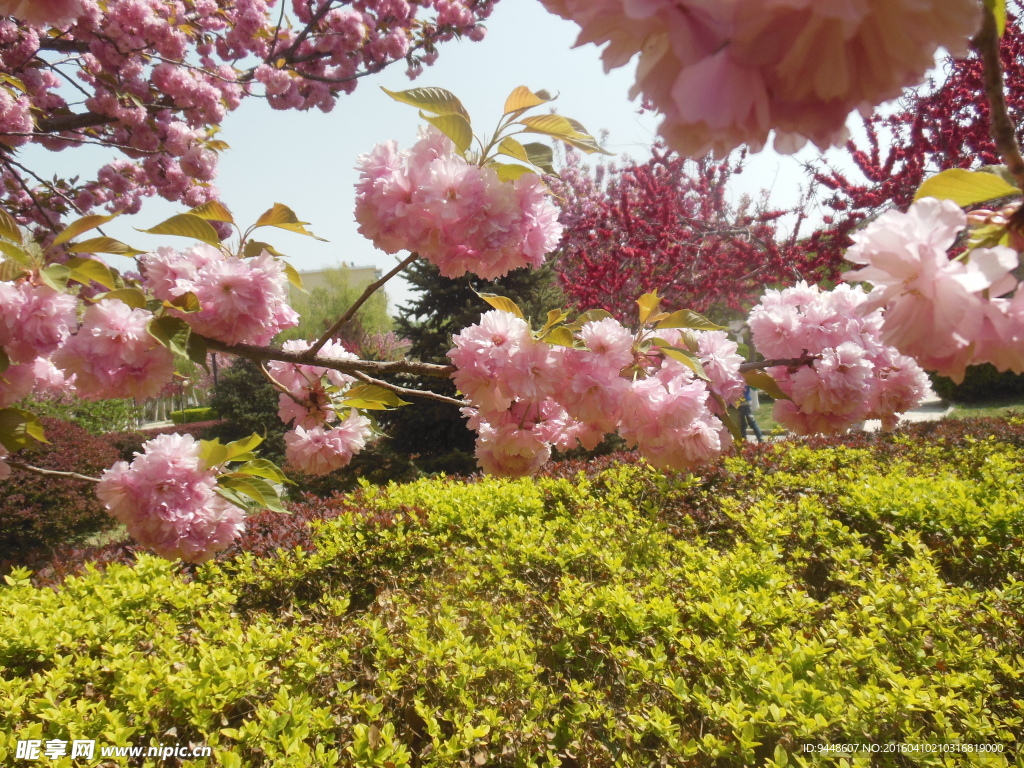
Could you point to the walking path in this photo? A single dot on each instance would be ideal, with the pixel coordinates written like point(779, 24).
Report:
point(932, 409)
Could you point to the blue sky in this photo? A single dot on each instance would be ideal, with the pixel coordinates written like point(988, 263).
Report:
point(306, 159)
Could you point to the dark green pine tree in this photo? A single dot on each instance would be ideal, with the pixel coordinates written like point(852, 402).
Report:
point(434, 435)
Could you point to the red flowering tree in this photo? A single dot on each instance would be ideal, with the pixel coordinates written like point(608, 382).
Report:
point(153, 79)
point(666, 224)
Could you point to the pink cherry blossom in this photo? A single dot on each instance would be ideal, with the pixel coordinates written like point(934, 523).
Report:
point(34, 320)
point(321, 450)
point(113, 355)
point(168, 500)
point(43, 13)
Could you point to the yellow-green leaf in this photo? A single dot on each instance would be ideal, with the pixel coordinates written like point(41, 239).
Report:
point(103, 245)
point(242, 446)
point(503, 303)
point(555, 316)
point(687, 318)
point(255, 248)
point(5, 362)
point(455, 127)
point(212, 453)
point(86, 271)
point(380, 397)
point(551, 125)
point(187, 302)
point(283, 217)
point(688, 359)
point(560, 336)
point(171, 332)
point(590, 316)
point(511, 171)
point(56, 276)
point(262, 468)
point(541, 156)
point(10, 270)
point(966, 187)
point(213, 211)
point(998, 8)
point(9, 228)
point(256, 488)
point(19, 429)
point(186, 225)
point(293, 276)
point(133, 297)
point(523, 98)
point(436, 100)
point(514, 149)
point(648, 304)
point(75, 228)
point(764, 382)
point(18, 254)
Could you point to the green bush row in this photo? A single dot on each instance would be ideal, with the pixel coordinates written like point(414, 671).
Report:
point(191, 415)
point(824, 596)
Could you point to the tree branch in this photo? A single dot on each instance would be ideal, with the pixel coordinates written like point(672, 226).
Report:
point(424, 393)
point(50, 472)
point(254, 352)
point(789, 362)
point(58, 123)
point(1002, 128)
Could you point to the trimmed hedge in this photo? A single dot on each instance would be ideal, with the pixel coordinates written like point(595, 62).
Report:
point(804, 592)
point(191, 415)
point(43, 512)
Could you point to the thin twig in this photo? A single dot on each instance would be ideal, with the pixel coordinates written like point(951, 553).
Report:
point(424, 393)
point(1002, 128)
point(351, 311)
point(51, 472)
point(254, 352)
point(788, 362)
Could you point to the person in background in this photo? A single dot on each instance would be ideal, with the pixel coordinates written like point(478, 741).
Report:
point(747, 407)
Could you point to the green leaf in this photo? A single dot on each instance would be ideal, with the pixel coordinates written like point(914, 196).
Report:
point(18, 254)
point(56, 276)
point(998, 8)
point(293, 276)
point(731, 419)
point(371, 397)
point(75, 228)
point(187, 302)
point(5, 361)
point(256, 488)
point(541, 156)
point(590, 316)
point(764, 382)
point(186, 225)
point(241, 447)
point(687, 318)
point(560, 336)
point(511, 171)
point(133, 297)
point(514, 149)
point(648, 304)
point(86, 271)
point(436, 100)
point(19, 429)
point(283, 217)
point(565, 130)
point(503, 303)
point(212, 453)
point(197, 350)
point(103, 245)
point(685, 357)
point(965, 187)
point(9, 270)
point(213, 211)
point(555, 316)
point(523, 98)
point(9, 228)
point(263, 468)
point(255, 248)
point(455, 127)
point(171, 332)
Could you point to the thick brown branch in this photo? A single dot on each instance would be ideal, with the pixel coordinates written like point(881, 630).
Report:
point(789, 362)
point(1002, 127)
point(58, 123)
point(51, 472)
point(63, 46)
point(345, 366)
point(351, 311)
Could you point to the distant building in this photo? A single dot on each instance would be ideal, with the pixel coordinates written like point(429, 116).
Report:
point(356, 275)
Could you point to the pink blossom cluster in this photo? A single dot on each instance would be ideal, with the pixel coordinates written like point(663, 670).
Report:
point(946, 313)
point(322, 439)
point(34, 321)
point(307, 399)
point(113, 355)
point(242, 301)
point(856, 376)
point(727, 73)
point(159, 76)
point(168, 500)
point(458, 216)
point(528, 395)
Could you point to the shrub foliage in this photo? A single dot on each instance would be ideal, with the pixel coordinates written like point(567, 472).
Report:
point(604, 615)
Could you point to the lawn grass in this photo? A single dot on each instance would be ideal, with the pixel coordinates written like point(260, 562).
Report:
point(991, 408)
